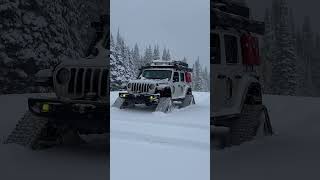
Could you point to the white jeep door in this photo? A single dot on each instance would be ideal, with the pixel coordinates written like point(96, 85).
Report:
point(176, 85)
point(218, 75)
point(234, 67)
point(183, 84)
point(227, 72)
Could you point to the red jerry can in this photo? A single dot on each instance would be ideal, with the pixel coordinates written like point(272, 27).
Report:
point(188, 77)
point(250, 50)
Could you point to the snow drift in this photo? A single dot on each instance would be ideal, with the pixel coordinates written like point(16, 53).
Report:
point(290, 154)
point(153, 145)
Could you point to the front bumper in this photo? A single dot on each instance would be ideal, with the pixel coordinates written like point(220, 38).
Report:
point(68, 108)
point(89, 117)
point(148, 99)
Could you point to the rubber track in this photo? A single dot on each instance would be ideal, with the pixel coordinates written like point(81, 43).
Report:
point(28, 130)
point(244, 128)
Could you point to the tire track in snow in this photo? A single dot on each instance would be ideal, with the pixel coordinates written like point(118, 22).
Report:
point(160, 140)
point(178, 124)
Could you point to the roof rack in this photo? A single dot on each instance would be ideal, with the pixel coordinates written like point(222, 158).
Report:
point(179, 65)
point(228, 14)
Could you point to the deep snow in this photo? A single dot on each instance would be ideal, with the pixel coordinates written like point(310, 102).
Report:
point(152, 145)
point(293, 153)
point(88, 161)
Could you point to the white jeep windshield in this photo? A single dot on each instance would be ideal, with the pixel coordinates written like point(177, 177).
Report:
point(156, 74)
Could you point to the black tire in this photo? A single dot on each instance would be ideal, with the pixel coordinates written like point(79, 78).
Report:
point(245, 127)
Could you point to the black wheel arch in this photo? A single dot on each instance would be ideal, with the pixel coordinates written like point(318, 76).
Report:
point(254, 94)
point(166, 92)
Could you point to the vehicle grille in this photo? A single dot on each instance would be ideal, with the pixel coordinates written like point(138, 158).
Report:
point(88, 80)
point(140, 87)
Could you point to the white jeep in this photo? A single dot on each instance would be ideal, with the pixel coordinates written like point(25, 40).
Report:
point(162, 84)
point(236, 88)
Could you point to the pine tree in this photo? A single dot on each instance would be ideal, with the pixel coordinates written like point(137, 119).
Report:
point(284, 70)
point(197, 80)
point(164, 54)
point(136, 57)
point(148, 56)
point(111, 41)
point(205, 80)
point(316, 65)
point(122, 66)
point(168, 56)
point(156, 53)
point(268, 51)
point(307, 50)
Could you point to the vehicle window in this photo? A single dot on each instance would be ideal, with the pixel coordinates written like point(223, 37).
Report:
point(176, 77)
point(156, 74)
point(231, 49)
point(215, 50)
point(182, 77)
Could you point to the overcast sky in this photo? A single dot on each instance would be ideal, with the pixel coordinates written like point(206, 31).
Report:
point(301, 8)
point(180, 25)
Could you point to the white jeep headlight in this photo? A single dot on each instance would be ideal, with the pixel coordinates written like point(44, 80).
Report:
point(129, 85)
point(152, 86)
point(63, 76)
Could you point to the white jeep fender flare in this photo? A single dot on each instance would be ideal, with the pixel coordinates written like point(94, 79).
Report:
point(241, 93)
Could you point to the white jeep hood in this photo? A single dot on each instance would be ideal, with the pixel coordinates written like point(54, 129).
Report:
point(150, 81)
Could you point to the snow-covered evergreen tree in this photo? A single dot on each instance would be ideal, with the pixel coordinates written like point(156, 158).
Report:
point(122, 66)
point(148, 55)
point(205, 80)
point(284, 78)
point(38, 34)
point(164, 54)
point(196, 75)
point(168, 56)
point(156, 53)
point(268, 52)
point(307, 51)
point(136, 57)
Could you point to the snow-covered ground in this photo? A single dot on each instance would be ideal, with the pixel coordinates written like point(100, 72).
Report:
point(293, 153)
point(88, 161)
point(148, 145)
point(151, 145)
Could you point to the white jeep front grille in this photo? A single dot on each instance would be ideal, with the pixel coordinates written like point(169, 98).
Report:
point(84, 81)
point(140, 87)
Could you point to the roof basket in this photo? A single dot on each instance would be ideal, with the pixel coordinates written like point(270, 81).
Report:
point(227, 14)
point(232, 7)
point(169, 64)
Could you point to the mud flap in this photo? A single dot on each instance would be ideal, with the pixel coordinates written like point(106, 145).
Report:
point(265, 127)
point(165, 105)
point(187, 101)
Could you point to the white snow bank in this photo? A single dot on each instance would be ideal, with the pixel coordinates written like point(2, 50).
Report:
point(147, 145)
point(89, 161)
point(291, 154)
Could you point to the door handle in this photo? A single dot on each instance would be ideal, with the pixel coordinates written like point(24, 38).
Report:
point(221, 76)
